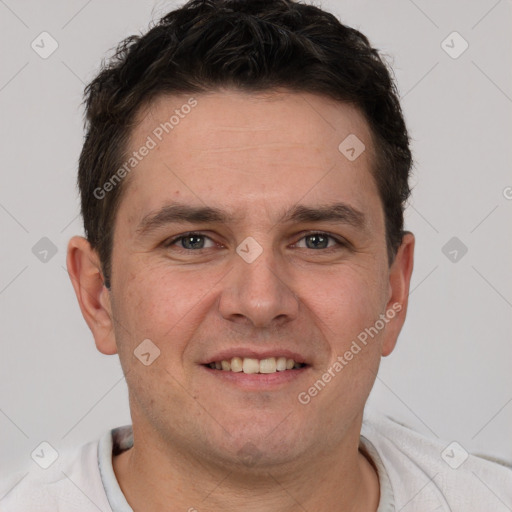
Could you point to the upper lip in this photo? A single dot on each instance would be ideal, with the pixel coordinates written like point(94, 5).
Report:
point(226, 355)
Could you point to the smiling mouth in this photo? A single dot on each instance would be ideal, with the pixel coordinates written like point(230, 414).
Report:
point(250, 365)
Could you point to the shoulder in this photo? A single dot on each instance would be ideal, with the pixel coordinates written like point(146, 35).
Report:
point(71, 484)
point(429, 474)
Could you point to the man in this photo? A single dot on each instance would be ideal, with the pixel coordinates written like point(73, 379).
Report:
point(243, 181)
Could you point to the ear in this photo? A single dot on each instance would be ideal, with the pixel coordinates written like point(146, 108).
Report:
point(399, 281)
point(84, 270)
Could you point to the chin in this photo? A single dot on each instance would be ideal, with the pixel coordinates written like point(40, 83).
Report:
point(252, 448)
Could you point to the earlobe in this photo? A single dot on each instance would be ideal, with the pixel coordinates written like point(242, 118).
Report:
point(400, 274)
point(84, 270)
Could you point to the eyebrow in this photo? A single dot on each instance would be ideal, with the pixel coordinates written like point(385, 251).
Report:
point(181, 213)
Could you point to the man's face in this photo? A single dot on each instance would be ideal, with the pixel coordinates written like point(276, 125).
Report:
point(261, 283)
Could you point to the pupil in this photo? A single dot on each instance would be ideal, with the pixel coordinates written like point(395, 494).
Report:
point(317, 241)
point(193, 242)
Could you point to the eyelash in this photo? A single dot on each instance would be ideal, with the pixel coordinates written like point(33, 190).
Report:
point(171, 241)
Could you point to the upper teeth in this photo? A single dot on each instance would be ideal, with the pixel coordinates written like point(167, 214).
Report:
point(250, 365)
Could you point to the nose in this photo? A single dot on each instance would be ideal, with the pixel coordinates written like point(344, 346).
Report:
point(257, 293)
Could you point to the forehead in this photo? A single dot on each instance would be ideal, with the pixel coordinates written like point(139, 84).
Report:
point(248, 152)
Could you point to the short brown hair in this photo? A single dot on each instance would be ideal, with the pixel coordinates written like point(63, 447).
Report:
point(254, 46)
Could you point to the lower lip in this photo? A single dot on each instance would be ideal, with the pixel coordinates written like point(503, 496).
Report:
point(257, 381)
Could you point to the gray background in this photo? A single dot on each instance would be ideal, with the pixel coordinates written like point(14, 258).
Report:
point(450, 374)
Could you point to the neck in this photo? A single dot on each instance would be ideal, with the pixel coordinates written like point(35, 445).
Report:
point(153, 476)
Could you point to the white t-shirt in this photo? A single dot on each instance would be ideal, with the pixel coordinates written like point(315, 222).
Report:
point(416, 474)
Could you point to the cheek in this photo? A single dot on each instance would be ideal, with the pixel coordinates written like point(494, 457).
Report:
point(346, 301)
point(162, 303)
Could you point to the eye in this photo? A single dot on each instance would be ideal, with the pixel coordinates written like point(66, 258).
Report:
point(191, 241)
point(197, 241)
point(319, 241)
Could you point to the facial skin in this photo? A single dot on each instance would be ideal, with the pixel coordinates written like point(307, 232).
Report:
point(202, 439)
